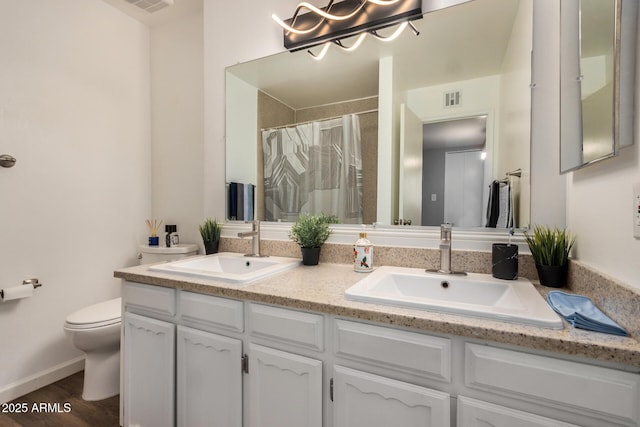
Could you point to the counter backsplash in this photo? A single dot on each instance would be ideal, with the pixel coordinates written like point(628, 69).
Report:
point(618, 300)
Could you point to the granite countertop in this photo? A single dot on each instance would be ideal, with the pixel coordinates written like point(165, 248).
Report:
point(321, 289)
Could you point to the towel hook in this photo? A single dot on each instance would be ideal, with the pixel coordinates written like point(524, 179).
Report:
point(7, 161)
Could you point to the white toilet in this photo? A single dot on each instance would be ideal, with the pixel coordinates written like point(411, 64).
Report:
point(96, 331)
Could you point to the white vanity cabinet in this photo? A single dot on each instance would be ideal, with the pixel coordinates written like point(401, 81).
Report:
point(148, 360)
point(285, 388)
point(209, 371)
point(149, 371)
point(578, 393)
point(199, 360)
point(363, 399)
point(208, 380)
point(175, 373)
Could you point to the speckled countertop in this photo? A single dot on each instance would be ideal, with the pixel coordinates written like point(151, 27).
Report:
point(321, 289)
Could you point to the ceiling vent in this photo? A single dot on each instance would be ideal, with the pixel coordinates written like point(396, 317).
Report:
point(452, 98)
point(151, 5)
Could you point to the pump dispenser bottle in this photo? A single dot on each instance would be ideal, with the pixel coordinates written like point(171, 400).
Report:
point(363, 255)
point(168, 230)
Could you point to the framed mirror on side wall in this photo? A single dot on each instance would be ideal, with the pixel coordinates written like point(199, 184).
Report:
point(470, 63)
point(597, 79)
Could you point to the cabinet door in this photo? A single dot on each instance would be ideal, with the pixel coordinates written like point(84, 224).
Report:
point(149, 371)
point(209, 380)
point(476, 413)
point(363, 399)
point(284, 389)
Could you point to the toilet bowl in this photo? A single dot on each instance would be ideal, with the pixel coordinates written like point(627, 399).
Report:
point(96, 331)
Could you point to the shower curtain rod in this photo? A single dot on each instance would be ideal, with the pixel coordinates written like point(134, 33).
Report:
point(375, 110)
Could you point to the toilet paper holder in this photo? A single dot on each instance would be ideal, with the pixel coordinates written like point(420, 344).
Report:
point(33, 282)
point(36, 284)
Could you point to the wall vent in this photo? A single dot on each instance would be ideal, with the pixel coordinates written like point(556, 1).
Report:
point(151, 5)
point(452, 98)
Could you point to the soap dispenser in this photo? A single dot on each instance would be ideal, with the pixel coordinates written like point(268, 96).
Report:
point(168, 230)
point(363, 255)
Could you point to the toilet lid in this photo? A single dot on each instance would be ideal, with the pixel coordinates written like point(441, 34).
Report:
point(103, 313)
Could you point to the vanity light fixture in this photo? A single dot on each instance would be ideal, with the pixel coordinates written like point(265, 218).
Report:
point(338, 21)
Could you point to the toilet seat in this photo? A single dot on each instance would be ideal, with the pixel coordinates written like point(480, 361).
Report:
point(97, 315)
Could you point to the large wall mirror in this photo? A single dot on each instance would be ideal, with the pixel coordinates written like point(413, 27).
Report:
point(598, 43)
point(433, 128)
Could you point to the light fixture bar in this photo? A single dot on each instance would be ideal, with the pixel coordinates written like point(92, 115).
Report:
point(344, 19)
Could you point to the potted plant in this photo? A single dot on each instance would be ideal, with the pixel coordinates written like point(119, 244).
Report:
point(550, 250)
point(310, 232)
point(210, 232)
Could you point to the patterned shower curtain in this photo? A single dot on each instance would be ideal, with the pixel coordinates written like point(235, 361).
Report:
point(313, 168)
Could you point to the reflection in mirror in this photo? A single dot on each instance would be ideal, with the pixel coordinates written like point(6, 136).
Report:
point(597, 77)
point(472, 60)
point(453, 153)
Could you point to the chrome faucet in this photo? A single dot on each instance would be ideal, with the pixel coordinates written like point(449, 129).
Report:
point(255, 236)
point(445, 252)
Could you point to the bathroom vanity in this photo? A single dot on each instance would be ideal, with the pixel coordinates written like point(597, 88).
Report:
point(290, 350)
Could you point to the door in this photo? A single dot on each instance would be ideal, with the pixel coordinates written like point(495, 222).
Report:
point(410, 176)
point(149, 372)
point(285, 389)
point(363, 399)
point(463, 182)
point(209, 380)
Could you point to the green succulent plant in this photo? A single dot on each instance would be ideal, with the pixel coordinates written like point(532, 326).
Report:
point(550, 246)
point(311, 231)
point(210, 230)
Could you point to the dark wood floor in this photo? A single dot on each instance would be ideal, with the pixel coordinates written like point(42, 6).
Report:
point(60, 405)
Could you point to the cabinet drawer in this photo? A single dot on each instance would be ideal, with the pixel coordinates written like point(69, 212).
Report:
point(206, 311)
point(288, 326)
point(603, 393)
point(402, 351)
point(149, 299)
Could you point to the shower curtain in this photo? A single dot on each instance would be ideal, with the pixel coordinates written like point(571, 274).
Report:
point(313, 168)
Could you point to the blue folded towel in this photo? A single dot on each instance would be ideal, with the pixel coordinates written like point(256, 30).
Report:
point(582, 313)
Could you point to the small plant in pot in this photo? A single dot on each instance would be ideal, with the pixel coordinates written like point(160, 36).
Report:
point(310, 232)
point(550, 250)
point(210, 231)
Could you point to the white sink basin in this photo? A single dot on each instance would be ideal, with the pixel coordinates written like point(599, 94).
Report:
point(478, 295)
point(229, 267)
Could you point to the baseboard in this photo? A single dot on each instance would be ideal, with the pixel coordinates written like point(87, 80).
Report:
point(41, 379)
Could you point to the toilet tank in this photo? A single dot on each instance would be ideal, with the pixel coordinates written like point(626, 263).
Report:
point(152, 254)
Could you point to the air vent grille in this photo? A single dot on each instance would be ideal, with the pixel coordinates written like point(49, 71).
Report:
point(452, 98)
point(151, 5)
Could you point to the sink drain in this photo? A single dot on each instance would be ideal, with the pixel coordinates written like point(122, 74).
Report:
point(444, 284)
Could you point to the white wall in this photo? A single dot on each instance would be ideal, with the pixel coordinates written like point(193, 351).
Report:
point(177, 124)
point(74, 111)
